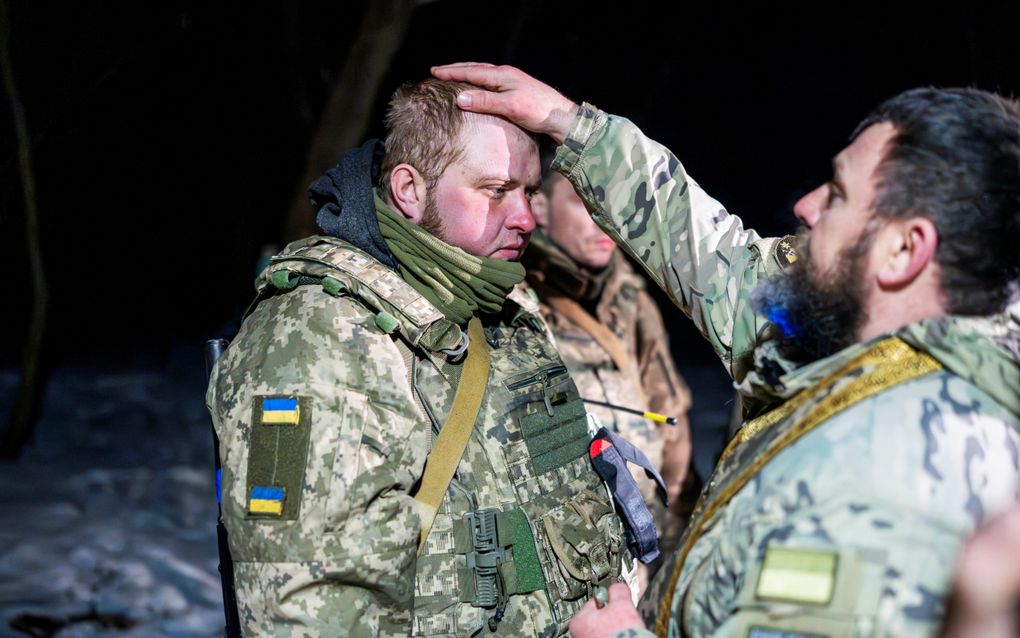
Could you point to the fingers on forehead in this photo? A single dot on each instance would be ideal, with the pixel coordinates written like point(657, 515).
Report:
point(481, 74)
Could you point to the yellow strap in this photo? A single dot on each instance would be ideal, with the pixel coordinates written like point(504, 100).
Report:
point(453, 437)
point(888, 363)
point(607, 339)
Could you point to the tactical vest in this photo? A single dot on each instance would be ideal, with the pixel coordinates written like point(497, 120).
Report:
point(526, 530)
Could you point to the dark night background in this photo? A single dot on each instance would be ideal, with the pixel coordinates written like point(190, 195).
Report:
point(168, 138)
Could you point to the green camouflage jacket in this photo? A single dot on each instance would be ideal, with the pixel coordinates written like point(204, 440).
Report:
point(851, 529)
point(326, 405)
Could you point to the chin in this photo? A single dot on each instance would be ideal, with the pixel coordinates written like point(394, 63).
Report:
point(597, 262)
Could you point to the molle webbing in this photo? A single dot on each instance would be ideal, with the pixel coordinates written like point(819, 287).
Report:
point(886, 364)
point(381, 280)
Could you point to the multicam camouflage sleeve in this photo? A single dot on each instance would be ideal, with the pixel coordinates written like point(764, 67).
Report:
point(702, 256)
point(320, 447)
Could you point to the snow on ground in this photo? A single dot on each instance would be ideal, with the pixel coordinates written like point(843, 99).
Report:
point(107, 522)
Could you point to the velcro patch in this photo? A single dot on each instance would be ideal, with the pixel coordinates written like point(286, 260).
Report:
point(797, 575)
point(769, 632)
point(277, 455)
point(266, 500)
point(281, 410)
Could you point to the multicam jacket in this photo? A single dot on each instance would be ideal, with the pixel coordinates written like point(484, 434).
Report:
point(839, 509)
point(326, 405)
point(650, 382)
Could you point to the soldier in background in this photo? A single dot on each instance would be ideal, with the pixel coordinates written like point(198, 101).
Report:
point(350, 509)
point(610, 334)
point(875, 354)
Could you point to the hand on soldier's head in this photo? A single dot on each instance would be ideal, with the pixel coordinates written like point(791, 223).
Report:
point(513, 94)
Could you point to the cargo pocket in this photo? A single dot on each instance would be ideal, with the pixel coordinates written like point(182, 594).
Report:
point(360, 450)
point(582, 544)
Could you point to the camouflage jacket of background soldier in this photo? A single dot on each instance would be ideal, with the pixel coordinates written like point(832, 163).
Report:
point(330, 397)
point(616, 298)
point(852, 530)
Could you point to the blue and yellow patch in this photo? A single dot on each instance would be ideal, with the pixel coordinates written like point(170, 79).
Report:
point(277, 455)
point(281, 411)
point(266, 500)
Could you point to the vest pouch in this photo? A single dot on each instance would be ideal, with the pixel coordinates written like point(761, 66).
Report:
point(577, 539)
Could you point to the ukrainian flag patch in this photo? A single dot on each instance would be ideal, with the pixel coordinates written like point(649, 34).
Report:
point(266, 500)
point(278, 444)
point(279, 411)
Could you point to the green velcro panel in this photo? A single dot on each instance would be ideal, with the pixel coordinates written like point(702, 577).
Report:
point(332, 286)
point(466, 585)
point(525, 573)
point(386, 322)
point(554, 441)
point(278, 454)
point(462, 543)
point(284, 279)
point(797, 575)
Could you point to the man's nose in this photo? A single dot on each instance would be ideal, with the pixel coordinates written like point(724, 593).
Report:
point(521, 217)
point(809, 208)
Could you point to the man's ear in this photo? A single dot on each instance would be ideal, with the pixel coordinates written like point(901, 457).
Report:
point(907, 248)
point(408, 192)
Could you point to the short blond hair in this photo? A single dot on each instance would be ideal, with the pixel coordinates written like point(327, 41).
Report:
point(423, 125)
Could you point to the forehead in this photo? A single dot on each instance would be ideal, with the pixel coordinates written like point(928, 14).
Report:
point(859, 160)
point(495, 147)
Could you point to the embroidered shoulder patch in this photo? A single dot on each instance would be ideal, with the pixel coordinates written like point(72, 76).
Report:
point(785, 253)
point(277, 455)
point(797, 575)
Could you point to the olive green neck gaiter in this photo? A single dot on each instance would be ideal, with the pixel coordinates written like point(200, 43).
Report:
point(458, 284)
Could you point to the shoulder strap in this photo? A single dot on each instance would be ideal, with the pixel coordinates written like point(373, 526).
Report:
point(453, 437)
point(609, 341)
point(344, 269)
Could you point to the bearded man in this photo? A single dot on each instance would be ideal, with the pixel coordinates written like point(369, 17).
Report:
point(377, 480)
point(875, 356)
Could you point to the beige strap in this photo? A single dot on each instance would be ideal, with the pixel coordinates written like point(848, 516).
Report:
point(607, 339)
point(453, 437)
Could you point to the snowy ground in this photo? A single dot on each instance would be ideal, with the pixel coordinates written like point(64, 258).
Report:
point(107, 522)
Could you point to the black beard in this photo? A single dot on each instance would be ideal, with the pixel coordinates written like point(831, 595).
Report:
point(817, 314)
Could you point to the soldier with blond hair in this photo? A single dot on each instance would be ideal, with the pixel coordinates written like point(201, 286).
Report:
point(403, 450)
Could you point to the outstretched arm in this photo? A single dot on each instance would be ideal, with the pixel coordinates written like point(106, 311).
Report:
point(640, 194)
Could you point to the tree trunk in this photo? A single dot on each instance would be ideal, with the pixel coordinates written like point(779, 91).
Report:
point(345, 117)
point(19, 427)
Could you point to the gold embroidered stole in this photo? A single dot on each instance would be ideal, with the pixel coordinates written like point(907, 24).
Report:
point(886, 364)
